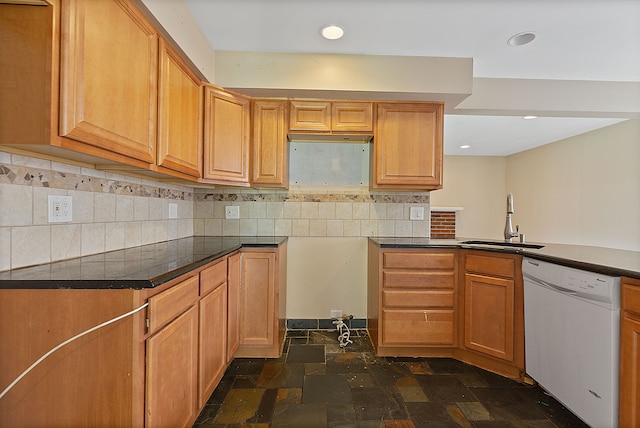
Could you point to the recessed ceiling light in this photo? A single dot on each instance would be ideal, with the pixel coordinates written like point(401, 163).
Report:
point(332, 32)
point(465, 147)
point(529, 117)
point(521, 39)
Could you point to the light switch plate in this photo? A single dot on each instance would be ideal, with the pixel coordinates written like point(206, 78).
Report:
point(232, 212)
point(60, 209)
point(416, 213)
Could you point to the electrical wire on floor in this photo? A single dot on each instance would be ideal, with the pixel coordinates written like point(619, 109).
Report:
point(343, 331)
point(66, 342)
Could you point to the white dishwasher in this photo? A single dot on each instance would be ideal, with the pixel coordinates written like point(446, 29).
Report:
point(572, 330)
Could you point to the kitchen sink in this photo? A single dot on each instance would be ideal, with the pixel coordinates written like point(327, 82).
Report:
point(504, 244)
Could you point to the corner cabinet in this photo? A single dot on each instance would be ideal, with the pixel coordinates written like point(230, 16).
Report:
point(630, 353)
point(408, 146)
point(269, 156)
point(179, 115)
point(492, 310)
point(412, 307)
point(226, 137)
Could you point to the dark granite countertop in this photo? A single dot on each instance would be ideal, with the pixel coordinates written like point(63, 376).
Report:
point(141, 267)
point(608, 261)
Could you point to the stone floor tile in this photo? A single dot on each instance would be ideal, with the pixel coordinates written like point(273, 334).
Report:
point(378, 404)
point(306, 354)
point(445, 388)
point(474, 411)
point(339, 414)
point(300, 416)
point(399, 424)
point(289, 396)
point(267, 404)
point(412, 394)
point(315, 368)
point(239, 406)
point(329, 388)
point(278, 375)
point(359, 380)
point(458, 416)
point(427, 415)
point(419, 367)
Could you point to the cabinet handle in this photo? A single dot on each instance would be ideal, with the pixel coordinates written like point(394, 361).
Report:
point(425, 316)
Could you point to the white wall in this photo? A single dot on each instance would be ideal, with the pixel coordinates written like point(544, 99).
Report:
point(478, 185)
point(328, 273)
point(582, 190)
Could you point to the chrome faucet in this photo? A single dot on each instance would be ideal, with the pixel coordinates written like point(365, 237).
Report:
point(508, 227)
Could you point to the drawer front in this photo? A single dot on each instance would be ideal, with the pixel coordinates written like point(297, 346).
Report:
point(490, 265)
point(214, 276)
point(167, 305)
point(417, 299)
point(631, 297)
point(413, 279)
point(417, 328)
point(413, 260)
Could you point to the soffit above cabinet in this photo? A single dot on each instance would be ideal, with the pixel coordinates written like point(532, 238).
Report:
point(361, 77)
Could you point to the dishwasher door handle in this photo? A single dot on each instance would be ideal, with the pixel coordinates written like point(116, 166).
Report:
point(550, 286)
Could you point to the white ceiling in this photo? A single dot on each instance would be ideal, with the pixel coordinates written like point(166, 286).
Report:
point(577, 40)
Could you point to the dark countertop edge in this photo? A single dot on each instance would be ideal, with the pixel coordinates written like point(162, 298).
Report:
point(458, 244)
point(135, 284)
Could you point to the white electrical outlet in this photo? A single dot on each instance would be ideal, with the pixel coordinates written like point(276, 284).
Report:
point(416, 213)
point(232, 212)
point(60, 209)
point(336, 313)
point(173, 210)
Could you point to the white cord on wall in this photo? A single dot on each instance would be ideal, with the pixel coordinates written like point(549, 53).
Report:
point(77, 336)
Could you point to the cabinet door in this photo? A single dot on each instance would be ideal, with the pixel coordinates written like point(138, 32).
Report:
point(352, 117)
point(213, 341)
point(408, 146)
point(108, 77)
point(172, 368)
point(310, 116)
point(269, 138)
point(489, 315)
point(233, 306)
point(226, 137)
point(258, 317)
point(630, 354)
point(180, 115)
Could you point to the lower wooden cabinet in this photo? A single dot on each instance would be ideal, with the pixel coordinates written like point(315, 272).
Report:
point(492, 312)
point(411, 301)
point(630, 353)
point(212, 355)
point(172, 367)
point(262, 301)
point(233, 305)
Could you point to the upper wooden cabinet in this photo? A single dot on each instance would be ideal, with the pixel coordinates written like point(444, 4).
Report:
point(407, 149)
point(269, 157)
point(108, 77)
point(226, 137)
point(77, 85)
point(179, 115)
point(331, 118)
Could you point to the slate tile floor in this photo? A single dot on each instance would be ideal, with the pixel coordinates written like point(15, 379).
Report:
point(318, 384)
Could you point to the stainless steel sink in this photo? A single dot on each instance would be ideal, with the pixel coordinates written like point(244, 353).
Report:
point(504, 244)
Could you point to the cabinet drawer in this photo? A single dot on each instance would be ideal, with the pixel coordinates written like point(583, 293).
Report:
point(310, 116)
point(426, 260)
point(631, 298)
point(352, 117)
point(414, 298)
point(501, 266)
point(413, 279)
point(214, 276)
point(417, 328)
point(168, 304)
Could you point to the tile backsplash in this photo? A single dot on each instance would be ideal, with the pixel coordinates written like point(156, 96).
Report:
point(311, 212)
point(112, 211)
